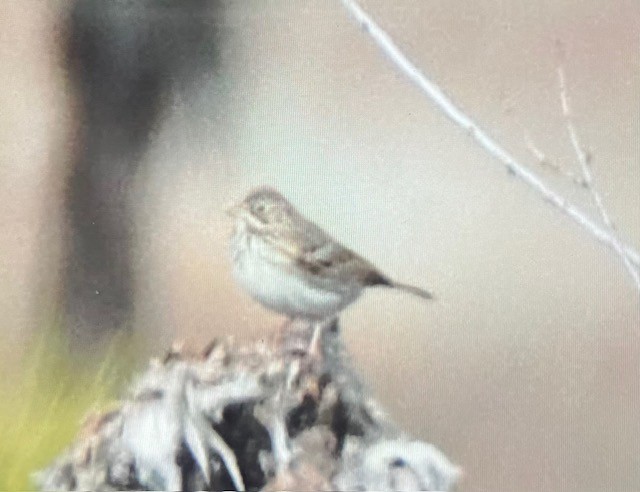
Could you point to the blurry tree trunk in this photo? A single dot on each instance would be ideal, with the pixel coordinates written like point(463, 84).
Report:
point(122, 57)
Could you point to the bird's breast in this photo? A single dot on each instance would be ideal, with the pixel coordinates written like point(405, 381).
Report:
point(278, 283)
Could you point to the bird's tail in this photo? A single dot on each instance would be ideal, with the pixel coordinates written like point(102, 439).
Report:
point(416, 291)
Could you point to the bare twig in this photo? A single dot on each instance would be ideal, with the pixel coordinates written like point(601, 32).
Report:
point(437, 96)
point(545, 161)
point(584, 159)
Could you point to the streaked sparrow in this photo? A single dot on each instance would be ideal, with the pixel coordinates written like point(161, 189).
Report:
point(290, 265)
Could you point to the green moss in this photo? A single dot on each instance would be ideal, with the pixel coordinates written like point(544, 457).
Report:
point(44, 401)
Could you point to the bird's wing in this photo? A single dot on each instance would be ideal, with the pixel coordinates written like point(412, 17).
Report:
point(323, 260)
point(324, 257)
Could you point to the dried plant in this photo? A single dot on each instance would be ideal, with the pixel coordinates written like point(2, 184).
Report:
point(259, 417)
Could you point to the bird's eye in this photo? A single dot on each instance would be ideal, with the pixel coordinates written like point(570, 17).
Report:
point(259, 208)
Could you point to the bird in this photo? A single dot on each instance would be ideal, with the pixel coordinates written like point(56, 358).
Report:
point(293, 267)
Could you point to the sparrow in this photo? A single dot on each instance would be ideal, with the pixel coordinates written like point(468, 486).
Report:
point(291, 266)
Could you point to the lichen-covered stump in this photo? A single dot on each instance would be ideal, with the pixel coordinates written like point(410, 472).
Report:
point(249, 418)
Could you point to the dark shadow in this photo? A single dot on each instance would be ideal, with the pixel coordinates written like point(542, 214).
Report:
point(123, 57)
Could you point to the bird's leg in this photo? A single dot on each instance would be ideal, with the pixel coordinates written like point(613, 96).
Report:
point(294, 335)
point(314, 350)
point(314, 344)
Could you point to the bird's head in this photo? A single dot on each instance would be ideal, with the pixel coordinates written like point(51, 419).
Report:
point(263, 207)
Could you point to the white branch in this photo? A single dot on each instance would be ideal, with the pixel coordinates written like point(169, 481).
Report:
point(437, 96)
point(545, 161)
point(584, 161)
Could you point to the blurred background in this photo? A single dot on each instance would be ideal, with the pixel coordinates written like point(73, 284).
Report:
point(125, 132)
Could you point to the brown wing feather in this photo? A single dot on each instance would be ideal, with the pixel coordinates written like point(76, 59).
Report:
point(321, 256)
point(332, 260)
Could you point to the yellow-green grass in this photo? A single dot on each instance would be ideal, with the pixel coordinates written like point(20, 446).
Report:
point(44, 401)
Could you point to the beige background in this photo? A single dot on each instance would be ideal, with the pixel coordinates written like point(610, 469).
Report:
point(525, 370)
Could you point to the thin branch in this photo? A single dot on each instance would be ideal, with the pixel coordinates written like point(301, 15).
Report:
point(437, 96)
point(584, 159)
point(545, 161)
